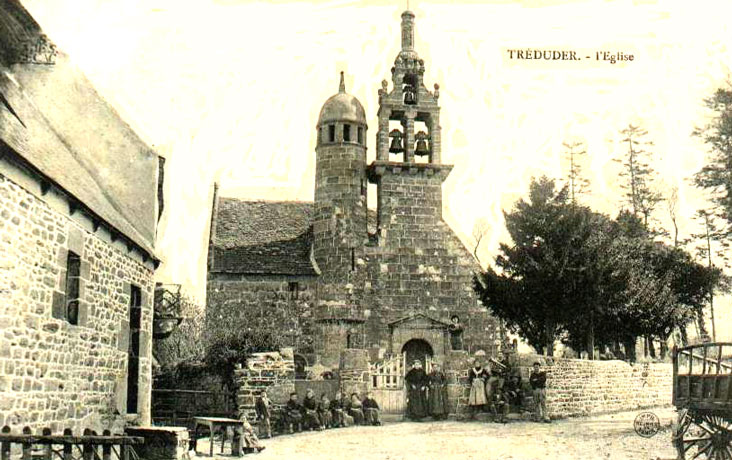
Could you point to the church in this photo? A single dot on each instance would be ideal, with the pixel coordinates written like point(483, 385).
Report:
point(332, 274)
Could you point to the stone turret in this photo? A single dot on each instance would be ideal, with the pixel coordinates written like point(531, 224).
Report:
point(339, 226)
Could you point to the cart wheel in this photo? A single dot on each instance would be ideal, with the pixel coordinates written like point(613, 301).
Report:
point(703, 436)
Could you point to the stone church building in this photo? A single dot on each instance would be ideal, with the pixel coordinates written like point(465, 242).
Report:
point(80, 197)
point(332, 274)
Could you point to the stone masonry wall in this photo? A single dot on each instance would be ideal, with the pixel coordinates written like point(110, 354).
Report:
point(271, 372)
point(263, 302)
point(52, 373)
point(581, 387)
point(420, 265)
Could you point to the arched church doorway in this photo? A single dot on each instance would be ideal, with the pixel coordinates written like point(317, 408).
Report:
point(418, 350)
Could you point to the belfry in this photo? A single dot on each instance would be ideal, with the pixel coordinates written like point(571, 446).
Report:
point(336, 277)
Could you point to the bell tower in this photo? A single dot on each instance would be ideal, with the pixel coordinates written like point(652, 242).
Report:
point(408, 169)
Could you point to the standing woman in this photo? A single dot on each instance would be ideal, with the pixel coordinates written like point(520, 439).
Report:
point(477, 399)
point(438, 393)
point(417, 382)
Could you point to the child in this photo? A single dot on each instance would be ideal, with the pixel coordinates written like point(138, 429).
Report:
point(293, 413)
point(337, 410)
point(326, 418)
point(264, 413)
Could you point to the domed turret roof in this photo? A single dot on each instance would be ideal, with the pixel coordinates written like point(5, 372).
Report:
point(342, 107)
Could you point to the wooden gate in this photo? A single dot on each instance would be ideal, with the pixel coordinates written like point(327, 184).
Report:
point(387, 384)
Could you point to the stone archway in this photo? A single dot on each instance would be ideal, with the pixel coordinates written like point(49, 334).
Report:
point(417, 350)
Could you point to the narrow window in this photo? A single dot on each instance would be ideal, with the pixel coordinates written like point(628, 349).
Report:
point(346, 133)
point(133, 352)
point(294, 288)
point(73, 272)
point(353, 259)
point(331, 133)
point(360, 135)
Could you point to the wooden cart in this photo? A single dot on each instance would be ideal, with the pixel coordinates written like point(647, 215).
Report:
point(702, 393)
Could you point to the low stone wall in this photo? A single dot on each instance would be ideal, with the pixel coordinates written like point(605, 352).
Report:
point(580, 387)
point(354, 371)
point(273, 372)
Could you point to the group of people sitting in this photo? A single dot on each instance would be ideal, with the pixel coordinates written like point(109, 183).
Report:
point(319, 413)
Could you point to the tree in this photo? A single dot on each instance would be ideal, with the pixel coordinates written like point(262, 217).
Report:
point(480, 230)
point(575, 273)
point(637, 173)
point(573, 153)
point(716, 176)
point(185, 344)
point(672, 205)
point(712, 247)
point(540, 277)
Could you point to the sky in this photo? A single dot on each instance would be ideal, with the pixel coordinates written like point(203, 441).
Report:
point(229, 91)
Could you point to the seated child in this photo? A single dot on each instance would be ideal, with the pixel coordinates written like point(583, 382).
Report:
point(326, 418)
point(293, 413)
point(338, 411)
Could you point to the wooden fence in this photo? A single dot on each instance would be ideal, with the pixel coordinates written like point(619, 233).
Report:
point(46, 446)
point(178, 407)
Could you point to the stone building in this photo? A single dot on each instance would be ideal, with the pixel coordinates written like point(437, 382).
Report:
point(80, 197)
point(335, 275)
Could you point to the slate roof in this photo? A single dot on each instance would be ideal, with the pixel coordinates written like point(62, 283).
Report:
point(52, 117)
point(263, 237)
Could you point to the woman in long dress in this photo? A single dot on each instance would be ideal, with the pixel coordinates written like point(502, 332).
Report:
point(416, 388)
point(477, 399)
point(438, 393)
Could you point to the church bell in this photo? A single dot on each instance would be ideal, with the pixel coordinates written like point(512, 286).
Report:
point(421, 149)
point(396, 141)
point(409, 95)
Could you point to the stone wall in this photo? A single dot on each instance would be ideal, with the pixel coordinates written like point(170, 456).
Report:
point(581, 387)
point(271, 372)
point(53, 373)
point(419, 265)
point(261, 302)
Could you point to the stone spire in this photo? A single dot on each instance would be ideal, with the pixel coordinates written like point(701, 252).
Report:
point(342, 85)
point(408, 31)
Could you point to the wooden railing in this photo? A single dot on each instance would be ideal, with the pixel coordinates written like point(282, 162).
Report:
point(67, 446)
point(388, 374)
point(178, 407)
point(686, 361)
point(703, 377)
